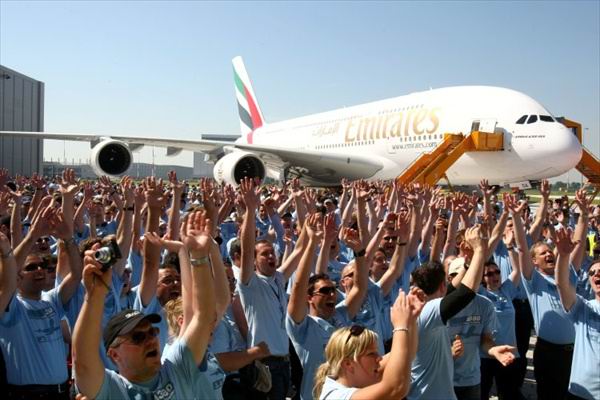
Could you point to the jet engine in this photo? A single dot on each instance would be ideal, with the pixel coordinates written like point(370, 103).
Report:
point(111, 157)
point(232, 167)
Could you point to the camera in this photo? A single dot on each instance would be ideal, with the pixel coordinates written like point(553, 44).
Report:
point(108, 255)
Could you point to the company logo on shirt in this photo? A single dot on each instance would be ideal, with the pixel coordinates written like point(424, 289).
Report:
point(167, 392)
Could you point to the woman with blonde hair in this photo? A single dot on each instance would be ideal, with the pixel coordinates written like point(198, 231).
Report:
point(355, 370)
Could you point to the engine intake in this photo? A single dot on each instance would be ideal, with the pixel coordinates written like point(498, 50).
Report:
point(232, 167)
point(111, 157)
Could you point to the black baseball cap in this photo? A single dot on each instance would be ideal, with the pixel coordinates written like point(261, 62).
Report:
point(124, 322)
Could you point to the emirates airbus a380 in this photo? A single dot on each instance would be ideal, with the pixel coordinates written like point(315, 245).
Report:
point(375, 140)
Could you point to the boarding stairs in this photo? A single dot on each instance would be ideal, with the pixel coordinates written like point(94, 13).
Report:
point(430, 167)
point(589, 165)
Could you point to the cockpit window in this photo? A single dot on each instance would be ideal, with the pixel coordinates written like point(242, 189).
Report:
point(532, 119)
point(522, 119)
point(546, 118)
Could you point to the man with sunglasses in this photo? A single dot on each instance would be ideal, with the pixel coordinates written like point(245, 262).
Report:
point(30, 318)
point(318, 294)
point(132, 341)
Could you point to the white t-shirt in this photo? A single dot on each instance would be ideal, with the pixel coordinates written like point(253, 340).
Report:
point(333, 390)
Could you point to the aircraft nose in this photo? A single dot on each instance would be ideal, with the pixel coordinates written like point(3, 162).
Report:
point(564, 150)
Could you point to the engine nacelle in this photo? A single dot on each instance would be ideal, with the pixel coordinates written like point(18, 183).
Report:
point(111, 157)
point(232, 167)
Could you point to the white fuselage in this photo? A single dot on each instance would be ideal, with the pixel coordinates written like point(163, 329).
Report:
point(395, 131)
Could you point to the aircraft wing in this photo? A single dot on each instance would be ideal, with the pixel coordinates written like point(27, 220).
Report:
point(173, 146)
point(315, 167)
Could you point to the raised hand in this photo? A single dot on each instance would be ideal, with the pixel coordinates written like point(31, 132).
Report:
point(564, 243)
point(351, 238)
point(416, 300)
point(127, 190)
point(474, 236)
point(176, 186)
point(59, 226)
point(4, 178)
point(155, 196)
point(68, 183)
point(545, 189)
point(330, 229)
point(248, 194)
point(196, 233)
point(485, 189)
point(314, 227)
point(93, 277)
point(509, 238)
point(402, 227)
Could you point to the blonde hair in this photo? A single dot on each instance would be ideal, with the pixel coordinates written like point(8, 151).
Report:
point(342, 345)
point(174, 310)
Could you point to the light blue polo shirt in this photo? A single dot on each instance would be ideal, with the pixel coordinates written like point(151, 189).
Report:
point(585, 370)
point(332, 390)
point(265, 304)
point(227, 336)
point(505, 313)
point(31, 340)
point(477, 318)
point(179, 378)
point(550, 321)
point(309, 338)
point(432, 369)
point(369, 314)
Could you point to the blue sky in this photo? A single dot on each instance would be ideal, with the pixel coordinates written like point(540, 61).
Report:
point(164, 68)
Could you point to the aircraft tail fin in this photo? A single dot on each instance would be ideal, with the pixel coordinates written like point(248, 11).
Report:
point(251, 117)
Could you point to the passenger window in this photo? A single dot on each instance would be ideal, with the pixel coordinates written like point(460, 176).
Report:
point(546, 118)
point(532, 119)
point(522, 119)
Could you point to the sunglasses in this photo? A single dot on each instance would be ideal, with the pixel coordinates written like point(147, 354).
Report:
point(388, 238)
point(325, 291)
point(492, 273)
point(355, 330)
point(138, 338)
point(35, 266)
point(43, 239)
point(593, 272)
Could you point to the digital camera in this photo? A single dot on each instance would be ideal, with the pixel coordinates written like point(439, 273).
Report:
point(108, 255)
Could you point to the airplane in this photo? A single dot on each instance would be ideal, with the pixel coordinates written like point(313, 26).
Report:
point(375, 140)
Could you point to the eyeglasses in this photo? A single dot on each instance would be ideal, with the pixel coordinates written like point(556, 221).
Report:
point(35, 266)
point(138, 338)
point(593, 272)
point(492, 273)
point(325, 291)
point(355, 330)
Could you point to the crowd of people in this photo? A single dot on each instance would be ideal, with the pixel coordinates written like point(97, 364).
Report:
point(373, 290)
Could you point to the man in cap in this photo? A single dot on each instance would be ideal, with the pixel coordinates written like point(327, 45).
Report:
point(132, 341)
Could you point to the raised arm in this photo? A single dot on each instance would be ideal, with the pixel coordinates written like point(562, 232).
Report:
point(329, 236)
point(520, 236)
point(125, 227)
point(474, 275)
point(498, 232)
point(155, 200)
point(565, 247)
point(513, 256)
point(579, 238)
point(248, 230)
point(356, 296)
point(176, 190)
point(87, 364)
point(297, 305)
point(198, 239)
point(402, 232)
point(540, 214)
point(8, 273)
